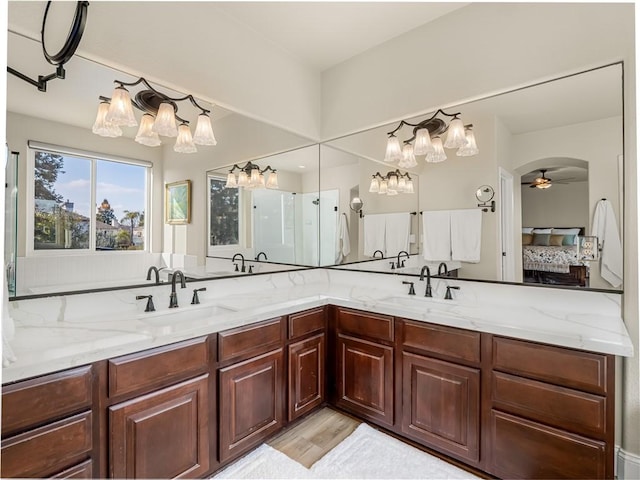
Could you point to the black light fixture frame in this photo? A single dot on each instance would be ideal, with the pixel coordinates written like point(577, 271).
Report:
point(149, 100)
point(252, 166)
point(395, 173)
point(66, 52)
point(435, 126)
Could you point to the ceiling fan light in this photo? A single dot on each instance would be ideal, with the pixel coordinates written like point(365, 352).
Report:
point(146, 135)
point(184, 142)
point(544, 185)
point(394, 152)
point(204, 131)
point(120, 109)
point(422, 145)
point(101, 126)
point(455, 134)
point(165, 123)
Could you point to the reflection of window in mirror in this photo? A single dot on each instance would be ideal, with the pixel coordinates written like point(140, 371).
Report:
point(224, 218)
point(61, 217)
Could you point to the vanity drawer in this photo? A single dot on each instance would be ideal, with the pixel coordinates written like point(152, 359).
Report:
point(158, 367)
point(365, 324)
point(561, 366)
point(446, 341)
point(306, 322)
point(557, 406)
point(39, 400)
point(251, 340)
point(47, 450)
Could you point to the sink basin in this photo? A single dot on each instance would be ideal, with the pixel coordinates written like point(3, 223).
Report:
point(188, 313)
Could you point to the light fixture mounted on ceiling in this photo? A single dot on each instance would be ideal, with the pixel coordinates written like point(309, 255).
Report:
point(392, 183)
point(427, 140)
point(160, 112)
point(252, 177)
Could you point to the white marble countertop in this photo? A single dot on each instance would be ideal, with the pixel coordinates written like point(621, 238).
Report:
point(56, 333)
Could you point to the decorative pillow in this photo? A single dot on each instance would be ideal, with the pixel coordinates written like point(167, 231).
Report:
point(569, 240)
point(565, 231)
point(527, 238)
point(556, 240)
point(541, 239)
point(541, 230)
point(527, 229)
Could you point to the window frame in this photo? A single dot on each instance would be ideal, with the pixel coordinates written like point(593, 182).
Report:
point(93, 158)
point(222, 250)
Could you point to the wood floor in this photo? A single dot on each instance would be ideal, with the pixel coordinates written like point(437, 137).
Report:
point(312, 438)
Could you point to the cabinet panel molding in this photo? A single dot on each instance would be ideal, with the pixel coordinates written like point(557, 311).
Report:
point(306, 375)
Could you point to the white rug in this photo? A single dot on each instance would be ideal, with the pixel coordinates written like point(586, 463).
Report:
point(366, 453)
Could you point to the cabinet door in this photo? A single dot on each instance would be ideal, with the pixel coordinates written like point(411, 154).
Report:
point(441, 405)
point(365, 379)
point(251, 403)
point(164, 434)
point(306, 375)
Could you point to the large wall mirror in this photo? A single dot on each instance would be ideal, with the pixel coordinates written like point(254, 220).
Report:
point(551, 152)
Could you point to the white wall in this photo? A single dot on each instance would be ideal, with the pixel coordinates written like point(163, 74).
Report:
point(557, 206)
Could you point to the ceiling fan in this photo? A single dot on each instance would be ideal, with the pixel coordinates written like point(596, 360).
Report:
point(542, 181)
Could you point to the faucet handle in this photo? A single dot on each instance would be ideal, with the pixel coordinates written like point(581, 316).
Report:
point(447, 295)
point(150, 306)
point(236, 265)
point(250, 268)
point(393, 265)
point(412, 290)
point(195, 300)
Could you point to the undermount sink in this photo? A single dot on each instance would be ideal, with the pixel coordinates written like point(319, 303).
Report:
point(183, 314)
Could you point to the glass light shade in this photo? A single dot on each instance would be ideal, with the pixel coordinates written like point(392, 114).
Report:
point(374, 187)
point(544, 185)
point(394, 152)
point(120, 109)
point(184, 142)
point(392, 182)
point(243, 179)
point(261, 181)
point(384, 187)
point(422, 145)
point(470, 148)
point(272, 181)
point(204, 131)
point(455, 134)
point(438, 154)
point(392, 192)
point(146, 135)
point(101, 126)
point(254, 179)
point(409, 187)
point(402, 185)
point(165, 123)
point(408, 157)
point(231, 181)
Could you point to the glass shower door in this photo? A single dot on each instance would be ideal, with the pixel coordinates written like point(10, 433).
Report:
point(11, 219)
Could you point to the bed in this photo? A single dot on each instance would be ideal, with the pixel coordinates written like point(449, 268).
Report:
point(549, 256)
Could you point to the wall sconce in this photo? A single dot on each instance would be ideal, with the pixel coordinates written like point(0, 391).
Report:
point(391, 184)
point(250, 176)
point(159, 118)
point(427, 141)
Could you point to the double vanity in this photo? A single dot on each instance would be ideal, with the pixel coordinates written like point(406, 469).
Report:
point(514, 381)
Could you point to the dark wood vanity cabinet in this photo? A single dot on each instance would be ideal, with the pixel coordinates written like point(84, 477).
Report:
point(251, 384)
point(306, 361)
point(440, 388)
point(47, 426)
point(550, 412)
point(161, 418)
point(364, 372)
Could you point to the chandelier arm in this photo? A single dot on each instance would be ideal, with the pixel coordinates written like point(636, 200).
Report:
point(163, 95)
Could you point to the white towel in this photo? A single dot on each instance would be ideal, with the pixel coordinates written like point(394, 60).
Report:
point(397, 230)
point(605, 227)
point(374, 233)
point(466, 235)
point(436, 236)
point(343, 246)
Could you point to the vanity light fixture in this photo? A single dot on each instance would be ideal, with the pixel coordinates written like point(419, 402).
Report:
point(160, 117)
point(427, 140)
point(251, 177)
point(392, 183)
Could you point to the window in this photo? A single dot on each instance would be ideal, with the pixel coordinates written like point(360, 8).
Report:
point(85, 202)
point(224, 218)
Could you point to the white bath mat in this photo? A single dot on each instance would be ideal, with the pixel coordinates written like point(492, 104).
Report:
point(365, 454)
